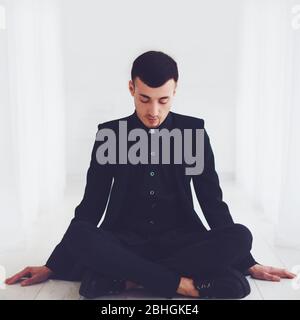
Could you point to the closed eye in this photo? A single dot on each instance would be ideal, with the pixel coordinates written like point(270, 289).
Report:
point(163, 101)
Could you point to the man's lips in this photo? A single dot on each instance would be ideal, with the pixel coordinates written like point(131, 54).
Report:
point(152, 119)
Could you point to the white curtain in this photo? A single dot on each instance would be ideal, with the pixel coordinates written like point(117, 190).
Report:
point(34, 109)
point(267, 108)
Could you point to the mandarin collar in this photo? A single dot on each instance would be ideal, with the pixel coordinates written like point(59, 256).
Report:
point(167, 123)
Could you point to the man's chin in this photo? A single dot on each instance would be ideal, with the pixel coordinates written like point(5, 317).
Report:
point(152, 124)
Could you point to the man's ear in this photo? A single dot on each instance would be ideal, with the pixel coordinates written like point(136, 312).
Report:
point(174, 92)
point(131, 87)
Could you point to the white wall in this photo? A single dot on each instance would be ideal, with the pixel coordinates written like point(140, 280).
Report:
point(102, 38)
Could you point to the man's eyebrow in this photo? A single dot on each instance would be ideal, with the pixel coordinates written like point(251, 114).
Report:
point(145, 96)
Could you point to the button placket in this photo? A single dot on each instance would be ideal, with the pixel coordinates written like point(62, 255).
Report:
point(152, 178)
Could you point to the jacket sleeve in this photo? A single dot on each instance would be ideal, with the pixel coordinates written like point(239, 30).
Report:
point(208, 190)
point(245, 264)
point(209, 195)
point(90, 209)
point(98, 184)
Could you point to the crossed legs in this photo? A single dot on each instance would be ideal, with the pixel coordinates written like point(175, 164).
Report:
point(183, 255)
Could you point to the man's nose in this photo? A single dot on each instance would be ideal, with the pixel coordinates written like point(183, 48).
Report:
point(154, 110)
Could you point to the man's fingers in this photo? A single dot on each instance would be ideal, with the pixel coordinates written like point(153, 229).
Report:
point(36, 278)
point(271, 277)
point(30, 281)
point(286, 274)
point(290, 275)
point(283, 273)
point(18, 276)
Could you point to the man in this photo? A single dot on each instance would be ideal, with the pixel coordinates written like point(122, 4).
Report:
point(151, 236)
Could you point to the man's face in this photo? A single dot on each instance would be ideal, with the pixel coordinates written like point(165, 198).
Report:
point(152, 104)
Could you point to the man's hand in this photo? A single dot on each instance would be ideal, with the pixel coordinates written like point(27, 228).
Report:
point(269, 273)
point(33, 275)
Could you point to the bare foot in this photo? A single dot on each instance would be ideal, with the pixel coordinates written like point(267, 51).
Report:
point(186, 287)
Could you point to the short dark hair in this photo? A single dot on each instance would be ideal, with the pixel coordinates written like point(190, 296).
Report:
point(154, 68)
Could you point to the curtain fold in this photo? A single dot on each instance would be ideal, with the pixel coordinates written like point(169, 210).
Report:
point(267, 133)
point(36, 103)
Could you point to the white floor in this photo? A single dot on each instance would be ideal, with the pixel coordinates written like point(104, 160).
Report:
point(35, 248)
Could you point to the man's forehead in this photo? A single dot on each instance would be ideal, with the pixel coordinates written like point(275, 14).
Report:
point(158, 92)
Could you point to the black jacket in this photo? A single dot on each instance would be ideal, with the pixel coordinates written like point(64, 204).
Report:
point(107, 183)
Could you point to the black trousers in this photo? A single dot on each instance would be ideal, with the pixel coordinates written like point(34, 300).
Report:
point(158, 262)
